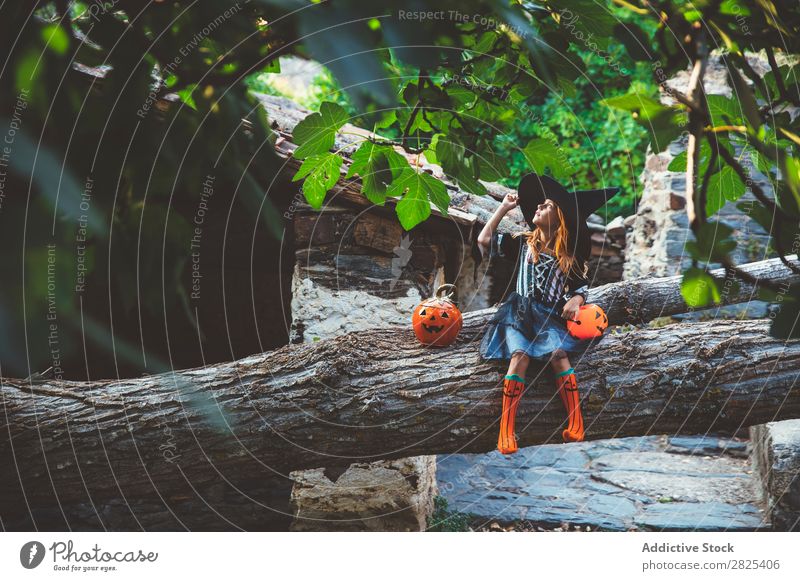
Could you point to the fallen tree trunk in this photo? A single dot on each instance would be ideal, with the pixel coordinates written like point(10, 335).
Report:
point(645, 299)
point(161, 440)
point(365, 396)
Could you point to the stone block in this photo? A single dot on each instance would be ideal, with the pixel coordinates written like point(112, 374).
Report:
point(776, 464)
point(394, 495)
point(657, 162)
point(706, 516)
point(676, 201)
point(616, 485)
point(616, 227)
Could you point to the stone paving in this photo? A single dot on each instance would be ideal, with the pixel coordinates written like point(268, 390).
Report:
point(648, 483)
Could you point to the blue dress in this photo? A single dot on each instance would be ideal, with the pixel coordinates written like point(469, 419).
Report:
point(529, 320)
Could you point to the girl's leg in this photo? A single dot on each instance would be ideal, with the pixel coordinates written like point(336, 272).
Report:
point(519, 364)
point(567, 387)
point(513, 386)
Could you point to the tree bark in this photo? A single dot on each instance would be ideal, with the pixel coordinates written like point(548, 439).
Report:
point(375, 395)
point(366, 396)
point(645, 299)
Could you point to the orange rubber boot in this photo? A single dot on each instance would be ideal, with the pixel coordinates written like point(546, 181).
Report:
point(513, 386)
point(568, 390)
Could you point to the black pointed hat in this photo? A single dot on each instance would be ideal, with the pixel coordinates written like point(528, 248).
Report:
point(576, 206)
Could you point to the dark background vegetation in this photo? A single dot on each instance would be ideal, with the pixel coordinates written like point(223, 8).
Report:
point(145, 101)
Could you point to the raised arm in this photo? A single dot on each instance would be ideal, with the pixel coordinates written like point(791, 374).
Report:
point(485, 236)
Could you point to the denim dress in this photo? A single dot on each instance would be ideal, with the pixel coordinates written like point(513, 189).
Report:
point(529, 320)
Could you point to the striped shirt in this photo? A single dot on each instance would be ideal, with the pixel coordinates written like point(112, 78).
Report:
point(543, 279)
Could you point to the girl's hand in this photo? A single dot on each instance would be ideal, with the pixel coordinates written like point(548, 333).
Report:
point(509, 202)
point(571, 308)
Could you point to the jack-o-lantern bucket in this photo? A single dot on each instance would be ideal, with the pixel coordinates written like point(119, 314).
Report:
point(591, 322)
point(437, 320)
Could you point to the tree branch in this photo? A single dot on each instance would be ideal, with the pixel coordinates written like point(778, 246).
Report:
point(697, 116)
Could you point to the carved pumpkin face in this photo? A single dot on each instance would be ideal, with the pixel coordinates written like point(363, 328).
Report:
point(591, 322)
point(437, 322)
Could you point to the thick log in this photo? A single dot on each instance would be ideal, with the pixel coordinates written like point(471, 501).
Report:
point(371, 395)
point(645, 299)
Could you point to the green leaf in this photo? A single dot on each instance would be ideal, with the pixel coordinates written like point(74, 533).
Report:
point(397, 163)
point(679, 162)
point(787, 73)
point(185, 95)
point(370, 162)
point(723, 186)
point(693, 15)
point(762, 162)
point(491, 167)
point(646, 107)
point(273, 66)
point(588, 22)
point(745, 96)
point(663, 123)
point(461, 96)
point(714, 198)
point(430, 152)
point(734, 8)
point(29, 68)
point(418, 190)
point(316, 133)
point(55, 38)
point(469, 183)
point(698, 288)
point(542, 154)
point(389, 118)
point(451, 155)
point(663, 128)
point(321, 172)
point(788, 189)
point(724, 111)
point(485, 42)
point(636, 42)
point(712, 242)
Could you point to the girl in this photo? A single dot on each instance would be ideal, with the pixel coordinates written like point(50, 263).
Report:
point(551, 286)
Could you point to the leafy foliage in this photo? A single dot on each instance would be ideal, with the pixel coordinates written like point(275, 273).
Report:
point(445, 520)
point(418, 190)
point(320, 172)
point(371, 162)
point(316, 133)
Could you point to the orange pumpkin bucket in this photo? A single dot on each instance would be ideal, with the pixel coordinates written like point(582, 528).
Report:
point(437, 320)
point(591, 322)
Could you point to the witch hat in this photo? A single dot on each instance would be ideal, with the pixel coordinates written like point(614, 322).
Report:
point(576, 206)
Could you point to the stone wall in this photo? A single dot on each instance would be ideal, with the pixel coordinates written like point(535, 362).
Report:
point(659, 230)
point(660, 227)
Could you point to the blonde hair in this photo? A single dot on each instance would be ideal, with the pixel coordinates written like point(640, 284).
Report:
point(536, 241)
